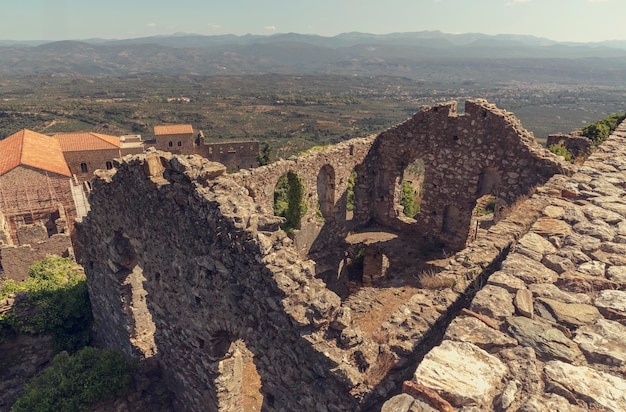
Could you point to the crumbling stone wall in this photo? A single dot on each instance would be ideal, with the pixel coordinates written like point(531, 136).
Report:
point(188, 251)
point(482, 151)
point(177, 236)
point(577, 145)
point(336, 163)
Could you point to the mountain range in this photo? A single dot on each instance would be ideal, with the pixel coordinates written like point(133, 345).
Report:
point(430, 56)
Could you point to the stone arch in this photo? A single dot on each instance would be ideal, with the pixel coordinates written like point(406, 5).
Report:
point(326, 191)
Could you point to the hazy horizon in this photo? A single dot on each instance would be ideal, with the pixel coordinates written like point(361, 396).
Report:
point(558, 20)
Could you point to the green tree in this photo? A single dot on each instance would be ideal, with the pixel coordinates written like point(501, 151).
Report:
point(289, 201)
point(408, 200)
point(264, 157)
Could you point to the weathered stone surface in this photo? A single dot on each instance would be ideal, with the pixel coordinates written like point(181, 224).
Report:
point(593, 268)
point(506, 281)
point(399, 403)
point(574, 254)
point(470, 329)
point(524, 302)
point(577, 282)
point(462, 373)
point(603, 342)
point(612, 299)
point(549, 402)
point(571, 314)
point(493, 301)
point(585, 243)
point(557, 263)
point(548, 290)
point(548, 342)
point(507, 397)
point(554, 212)
point(617, 273)
point(594, 212)
point(534, 246)
point(597, 229)
point(528, 270)
point(587, 384)
point(551, 227)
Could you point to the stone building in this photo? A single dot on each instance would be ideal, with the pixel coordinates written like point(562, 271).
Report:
point(85, 152)
point(36, 200)
point(176, 138)
point(234, 155)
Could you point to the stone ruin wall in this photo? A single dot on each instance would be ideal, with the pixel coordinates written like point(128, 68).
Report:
point(178, 242)
point(175, 236)
point(482, 151)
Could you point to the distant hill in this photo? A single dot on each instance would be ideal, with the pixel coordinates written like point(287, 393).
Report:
point(422, 55)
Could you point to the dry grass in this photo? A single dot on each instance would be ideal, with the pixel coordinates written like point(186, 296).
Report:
point(384, 363)
point(434, 280)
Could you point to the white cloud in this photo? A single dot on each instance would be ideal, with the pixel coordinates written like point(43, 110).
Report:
point(270, 28)
point(151, 25)
point(214, 26)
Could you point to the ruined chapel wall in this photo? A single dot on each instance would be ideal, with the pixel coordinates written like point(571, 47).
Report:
point(215, 270)
point(456, 149)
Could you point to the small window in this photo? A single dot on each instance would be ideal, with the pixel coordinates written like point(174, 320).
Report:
point(180, 144)
point(170, 144)
point(109, 165)
point(83, 167)
point(210, 150)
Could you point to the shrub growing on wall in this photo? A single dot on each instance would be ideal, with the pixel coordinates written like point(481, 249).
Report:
point(57, 302)
point(599, 131)
point(74, 383)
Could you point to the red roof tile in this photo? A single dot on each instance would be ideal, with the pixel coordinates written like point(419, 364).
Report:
point(32, 149)
point(173, 129)
point(80, 141)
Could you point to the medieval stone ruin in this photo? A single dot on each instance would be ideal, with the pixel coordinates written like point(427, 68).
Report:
point(187, 267)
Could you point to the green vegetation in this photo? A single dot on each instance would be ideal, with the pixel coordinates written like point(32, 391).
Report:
point(265, 156)
point(408, 200)
point(289, 201)
point(75, 383)
point(488, 208)
point(561, 151)
point(57, 303)
point(599, 131)
point(350, 192)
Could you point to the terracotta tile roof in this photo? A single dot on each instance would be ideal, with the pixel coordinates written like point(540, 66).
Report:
point(80, 141)
point(173, 129)
point(32, 149)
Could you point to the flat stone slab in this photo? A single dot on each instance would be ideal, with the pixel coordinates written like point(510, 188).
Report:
point(572, 314)
point(603, 342)
point(548, 290)
point(583, 382)
point(548, 342)
point(551, 227)
point(493, 301)
point(470, 329)
point(612, 299)
point(528, 270)
point(534, 246)
point(462, 373)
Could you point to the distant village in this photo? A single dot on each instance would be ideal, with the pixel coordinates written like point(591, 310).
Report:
point(45, 180)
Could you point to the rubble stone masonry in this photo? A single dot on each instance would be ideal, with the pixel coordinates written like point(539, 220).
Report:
point(186, 263)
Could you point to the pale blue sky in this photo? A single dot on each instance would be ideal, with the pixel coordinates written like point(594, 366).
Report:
point(563, 20)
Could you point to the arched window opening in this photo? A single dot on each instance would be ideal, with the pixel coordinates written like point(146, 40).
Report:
point(410, 189)
point(170, 144)
point(109, 165)
point(180, 144)
point(83, 168)
point(326, 191)
point(289, 201)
